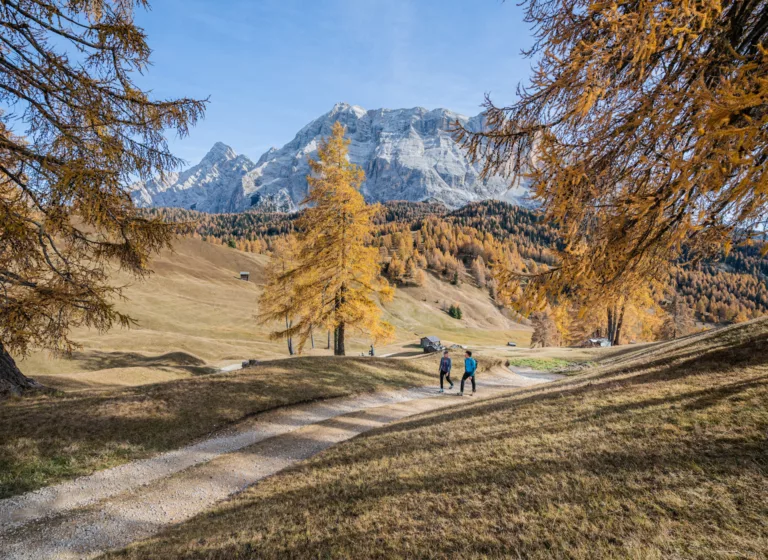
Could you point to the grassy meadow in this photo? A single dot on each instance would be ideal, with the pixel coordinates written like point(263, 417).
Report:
point(195, 316)
point(130, 393)
point(660, 452)
point(47, 439)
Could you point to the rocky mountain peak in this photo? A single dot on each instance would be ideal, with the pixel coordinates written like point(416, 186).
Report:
point(218, 153)
point(406, 154)
point(347, 108)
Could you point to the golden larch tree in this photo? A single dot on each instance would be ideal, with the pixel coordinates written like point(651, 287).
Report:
point(80, 130)
point(644, 131)
point(279, 300)
point(545, 332)
point(336, 280)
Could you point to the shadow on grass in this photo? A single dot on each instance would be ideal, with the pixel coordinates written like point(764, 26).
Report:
point(69, 435)
point(46, 439)
point(180, 361)
point(747, 354)
point(545, 472)
point(708, 341)
point(411, 354)
point(315, 512)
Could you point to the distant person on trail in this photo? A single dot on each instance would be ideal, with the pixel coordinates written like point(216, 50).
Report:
point(371, 352)
point(445, 370)
point(470, 367)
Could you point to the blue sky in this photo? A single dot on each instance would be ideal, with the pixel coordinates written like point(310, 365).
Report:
point(271, 66)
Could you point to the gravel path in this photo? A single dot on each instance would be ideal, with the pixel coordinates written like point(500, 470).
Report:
point(112, 508)
point(231, 367)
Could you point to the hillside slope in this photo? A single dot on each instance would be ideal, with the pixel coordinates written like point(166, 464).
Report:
point(659, 453)
point(729, 288)
point(194, 315)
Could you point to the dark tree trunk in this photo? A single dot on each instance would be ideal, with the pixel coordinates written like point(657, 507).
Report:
point(12, 381)
point(609, 331)
point(339, 349)
point(312, 337)
point(617, 334)
point(338, 334)
point(288, 325)
point(329, 339)
point(674, 318)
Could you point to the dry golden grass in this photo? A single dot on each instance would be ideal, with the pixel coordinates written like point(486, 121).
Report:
point(659, 453)
point(46, 439)
point(419, 311)
point(195, 315)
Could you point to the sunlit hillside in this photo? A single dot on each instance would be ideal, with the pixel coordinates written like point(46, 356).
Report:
point(194, 315)
point(659, 453)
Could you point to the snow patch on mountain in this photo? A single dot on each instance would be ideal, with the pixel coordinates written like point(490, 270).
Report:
point(407, 154)
point(209, 186)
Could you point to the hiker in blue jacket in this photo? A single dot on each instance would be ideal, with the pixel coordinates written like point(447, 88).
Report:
point(470, 367)
point(445, 370)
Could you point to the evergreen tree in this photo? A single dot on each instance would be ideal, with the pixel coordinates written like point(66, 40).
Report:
point(508, 238)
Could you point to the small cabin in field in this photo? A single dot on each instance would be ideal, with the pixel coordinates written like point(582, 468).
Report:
point(430, 341)
point(245, 276)
point(431, 344)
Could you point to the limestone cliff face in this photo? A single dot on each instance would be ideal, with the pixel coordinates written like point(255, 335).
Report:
point(209, 186)
point(407, 154)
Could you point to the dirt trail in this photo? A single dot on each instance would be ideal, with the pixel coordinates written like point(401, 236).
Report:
point(112, 508)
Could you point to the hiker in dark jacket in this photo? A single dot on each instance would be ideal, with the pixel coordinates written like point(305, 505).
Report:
point(445, 370)
point(470, 367)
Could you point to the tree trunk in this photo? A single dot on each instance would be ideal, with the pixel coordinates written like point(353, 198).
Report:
point(674, 318)
point(336, 341)
point(288, 324)
point(312, 337)
point(609, 330)
point(617, 334)
point(12, 381)
point(339, 350)
point(329, 339)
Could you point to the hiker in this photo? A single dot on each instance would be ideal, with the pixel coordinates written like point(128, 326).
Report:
point(470, 367)
point(445, 370)
point(371, 352)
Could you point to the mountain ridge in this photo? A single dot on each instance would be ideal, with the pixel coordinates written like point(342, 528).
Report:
point(406, 154)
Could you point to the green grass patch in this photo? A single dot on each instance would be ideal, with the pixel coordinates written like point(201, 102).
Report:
point(542, 364)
